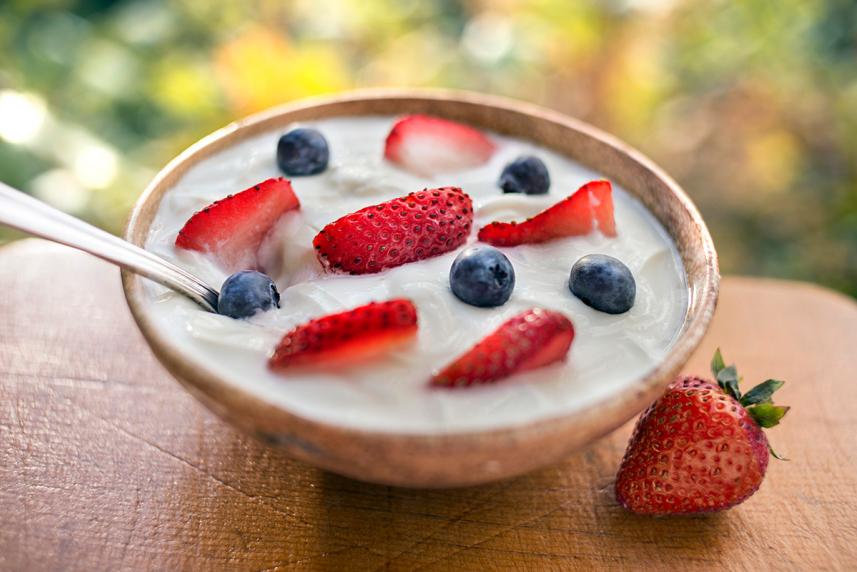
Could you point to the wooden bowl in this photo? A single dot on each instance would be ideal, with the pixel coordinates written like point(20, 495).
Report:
point(465, 458)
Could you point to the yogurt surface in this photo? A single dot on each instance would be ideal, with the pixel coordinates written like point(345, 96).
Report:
point(391, 393)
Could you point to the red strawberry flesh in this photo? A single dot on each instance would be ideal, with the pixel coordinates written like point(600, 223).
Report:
point(232, 229)
point(532, 339)
point(590, 205)
point(696, 449)
point(348, 336)
point(428, 145)
point(414, 227)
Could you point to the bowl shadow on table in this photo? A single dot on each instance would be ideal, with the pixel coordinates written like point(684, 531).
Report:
point(558, 516)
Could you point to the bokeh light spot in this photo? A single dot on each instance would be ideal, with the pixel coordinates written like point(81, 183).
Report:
point(21, 116)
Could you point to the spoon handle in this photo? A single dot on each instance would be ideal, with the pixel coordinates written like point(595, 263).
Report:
point(32, 216)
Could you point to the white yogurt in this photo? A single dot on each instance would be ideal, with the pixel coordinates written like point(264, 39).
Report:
point(390, 393)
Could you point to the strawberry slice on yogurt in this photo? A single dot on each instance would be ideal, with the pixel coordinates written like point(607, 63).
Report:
point(532, 339)
point(406, 229)
point(426, 145)
point(232, 229)
point(576, 215)
point(346, 337)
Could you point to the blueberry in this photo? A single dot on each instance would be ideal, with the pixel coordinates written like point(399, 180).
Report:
point(245, 293)
point(482, 276)
point(604, 283)
point(302, 151)
point(526, 174)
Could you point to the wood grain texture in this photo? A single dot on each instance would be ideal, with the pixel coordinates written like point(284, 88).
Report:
point(106, 463)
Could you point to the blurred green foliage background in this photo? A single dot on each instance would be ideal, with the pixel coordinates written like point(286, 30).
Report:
point(750, 104)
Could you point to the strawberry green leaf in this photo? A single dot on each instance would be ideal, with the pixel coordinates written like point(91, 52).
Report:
point(727, 378)
point(776, 455)
point(761, 393)
point(717, 362)
point(767, 414)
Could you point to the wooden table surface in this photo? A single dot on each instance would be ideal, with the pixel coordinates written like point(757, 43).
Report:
point(107, 464)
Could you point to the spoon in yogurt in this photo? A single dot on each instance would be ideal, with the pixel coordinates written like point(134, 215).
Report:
point(20, 211)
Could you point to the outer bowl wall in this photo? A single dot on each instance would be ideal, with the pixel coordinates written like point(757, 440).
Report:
point(461, 458)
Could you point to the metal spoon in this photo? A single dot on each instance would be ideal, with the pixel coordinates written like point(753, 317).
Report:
point(32, 216)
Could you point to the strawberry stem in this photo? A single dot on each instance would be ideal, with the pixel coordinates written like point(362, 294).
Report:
point(758, 401)
point(717, 362)
point(726, 376)
point(776, 455)
point(761, 393)
point(767, 415)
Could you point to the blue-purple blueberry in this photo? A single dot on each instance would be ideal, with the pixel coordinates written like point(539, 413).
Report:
point(482, 276)
point(302, 151)
point(526, 174)
point(603, 283)
point(245, 293)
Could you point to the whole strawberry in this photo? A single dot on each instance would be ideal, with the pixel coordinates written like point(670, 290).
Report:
point(700, 447)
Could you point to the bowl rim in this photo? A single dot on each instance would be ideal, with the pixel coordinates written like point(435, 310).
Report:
point(219, 394)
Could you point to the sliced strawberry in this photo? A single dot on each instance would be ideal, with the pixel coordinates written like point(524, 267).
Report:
point(347, 336)
point(428, 145)
point(532, 339)
point(232, 229)
point(409, 228)
point(574, 216)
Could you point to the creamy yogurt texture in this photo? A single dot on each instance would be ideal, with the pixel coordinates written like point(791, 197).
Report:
point(391, 393)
